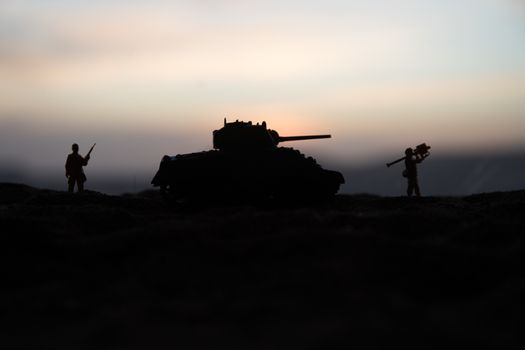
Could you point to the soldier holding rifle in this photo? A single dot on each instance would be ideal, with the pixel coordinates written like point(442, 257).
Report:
point(412, 158)
point(74, 171)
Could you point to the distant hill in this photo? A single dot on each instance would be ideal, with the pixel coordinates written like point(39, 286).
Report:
point(134, 272)
point(442, 175)
point(439, 175)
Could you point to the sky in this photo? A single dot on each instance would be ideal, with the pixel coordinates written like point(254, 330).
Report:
point(148, 78)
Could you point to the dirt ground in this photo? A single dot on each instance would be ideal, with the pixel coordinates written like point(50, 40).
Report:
point(94, 271)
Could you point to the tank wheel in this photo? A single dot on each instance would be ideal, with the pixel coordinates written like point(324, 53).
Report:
point(169, 194)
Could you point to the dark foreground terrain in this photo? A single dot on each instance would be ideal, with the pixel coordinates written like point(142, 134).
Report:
point(94, 271)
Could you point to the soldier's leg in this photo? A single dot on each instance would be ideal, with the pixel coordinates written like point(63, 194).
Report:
point(410, 187)
point(70, 184)
point(80, 185)
point(416, 187)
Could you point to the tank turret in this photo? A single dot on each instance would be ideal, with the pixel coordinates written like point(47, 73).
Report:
point(247, 162)
point(246, 136)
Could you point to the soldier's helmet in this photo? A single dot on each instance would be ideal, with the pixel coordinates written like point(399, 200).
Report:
point(409, 151)
point(74, 147)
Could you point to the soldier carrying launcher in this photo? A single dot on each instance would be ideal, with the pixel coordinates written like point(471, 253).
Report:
point(412, 158)
point(74, 171)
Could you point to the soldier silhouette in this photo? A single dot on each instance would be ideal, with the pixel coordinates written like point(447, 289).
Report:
point(411, 160)
point(74, 171)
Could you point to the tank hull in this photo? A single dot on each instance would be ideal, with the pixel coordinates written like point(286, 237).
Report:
point(279, 172)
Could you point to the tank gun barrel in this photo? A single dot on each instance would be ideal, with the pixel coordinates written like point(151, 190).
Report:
point(305, 137)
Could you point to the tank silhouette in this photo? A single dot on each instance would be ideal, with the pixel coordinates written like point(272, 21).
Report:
point(247, 162)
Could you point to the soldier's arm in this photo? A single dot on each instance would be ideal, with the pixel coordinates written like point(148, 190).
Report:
point(68, 164)
point(421, 158)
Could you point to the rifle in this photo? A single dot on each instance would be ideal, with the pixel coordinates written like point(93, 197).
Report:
point(88, 155)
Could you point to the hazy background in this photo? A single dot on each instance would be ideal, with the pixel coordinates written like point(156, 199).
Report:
point(148, 78)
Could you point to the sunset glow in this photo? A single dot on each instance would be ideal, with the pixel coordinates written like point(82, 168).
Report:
point(159, 76)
